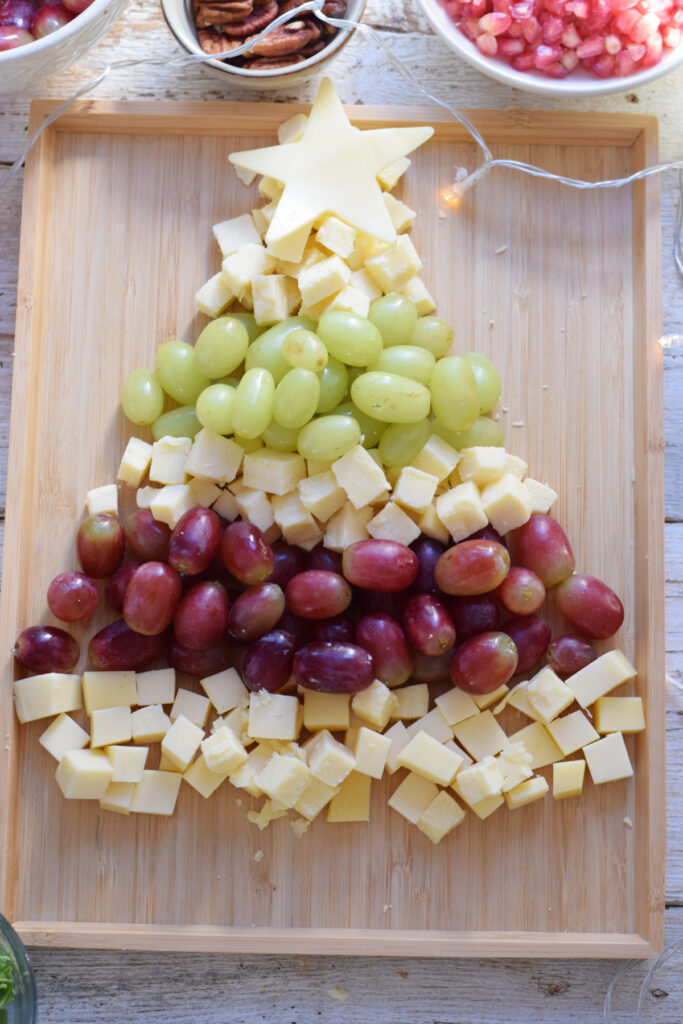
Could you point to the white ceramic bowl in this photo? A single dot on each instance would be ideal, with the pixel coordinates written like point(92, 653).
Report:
point(579, 83)
point(22, 69)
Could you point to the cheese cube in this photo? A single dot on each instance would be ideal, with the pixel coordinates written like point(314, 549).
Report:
point(226, 505)
point(241, 267)
point(441, 817)
point(273, 471)
point(392, 523)
point(169, 459)
point(430, 524)
point(274, 716)
point(352, 802)
point(482, 808)
point(479, 781)
point(572, 732)
point(292, 129)
point(284, 779)
point(128, 763)
point(416, 290)
point(270, 811)
point(413, 701)
point(171, 503)
point(238, 721)
point(322, 280)
point(321, 495)
point(156, 686)
point(432, 723)
point(399, 738)
point(359, 476)
point(456, 705)
point(336, 236)
point(110, 725)
point(568, 779)
point(487, 700)
point(465, 757)
point(84, 774)
point(245, 776)
point(194, 706)
point(144, 495)
point(415, 489)
point(602, 675)
point(270, 188)
point(402, 216)
point(542, 497)
point(412, 798)
point(548, 695)
point(482, 465)
point(103, 499)
point(232, 234)
point(263, 215)
point(212, 457)
point(202, 778)
point(118, 797)
point(182, 741)
point(271, 297)
point(374, 705)
point(539, 743)
point(290, 247)
point(204, 492)
point(427, 757)
point(61, 735)
point(253, 506)
point(608, 759)
point(519, 700)
point(526, 792)
point(316, 795)
point(326, 710)
point(363, 282)
point(364, 248)
point(351, 300)
point(346, 527)
point(312, 254)
point(461, 511)
point(480, 735)
point(156, 793)
point(506, 503)
point(51, 693)
point(437, 458)
point(222, 751)
point(515, 465)
point(371, 751)
point(150, 724)
point(214, 296)
point(108, 690)
point(393, 268)
point(329, 760)
point(297, 524)
point(389, 176)
point(514, 764)
point(619, 714)
point(225, 690)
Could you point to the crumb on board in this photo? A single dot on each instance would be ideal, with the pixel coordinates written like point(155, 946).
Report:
point(387, 906)
point(505, 408)
point(402, 974)
point(491, 323)
point(239, 801)
point(258, 856)
point(518, 423)
point(501, 249)
point(628, 823)
point(544, 387)
point(340, 995)
point(299, 826)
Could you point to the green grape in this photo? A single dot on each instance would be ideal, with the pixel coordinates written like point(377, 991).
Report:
point(388, 397)
point(254, 330)
point(350, 338)
point(371, 430)
point(221, 347)
point(181, 422)
point(334, 381)
point(177, 373)
point(249, 444)
point(395, 317)
point(280, 438)
point(253, 408)
point(433, 334)
point(232, 381)
point(487, 378)
point(406, 361)
point(484, 431)
point(215, 408)
point(266, 351)
point(401, 442)
point(304, 349)
point(353, 372)
point(296, 398)
point(328, 438)
point(455, 395)
point(142, 398)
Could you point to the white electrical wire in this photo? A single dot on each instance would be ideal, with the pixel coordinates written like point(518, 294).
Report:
point(663, 958)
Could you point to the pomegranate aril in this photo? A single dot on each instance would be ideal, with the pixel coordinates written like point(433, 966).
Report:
point(553, 29)
point(579, 9)
point(510, 47)
point(569, 60)
point(624, 64)
point(486, 44)
point(591, 47)
point(531, 30)
point(612, 44)
point(521, 11)
point(556, 70)
point(556, 7)
point(626, 22)
point(514, 32)
point(523, 62)
point(671, 37)
point(570, 37)
point(546, 55)
point(623, 5)
point(644, 28)
point(495, 24)
point(636, 52)
point(653, 50)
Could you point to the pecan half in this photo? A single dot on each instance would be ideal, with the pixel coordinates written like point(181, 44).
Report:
point(213, 42)
point(271, 63)
point(286, 39)
point(256, 21)
point(213, 13)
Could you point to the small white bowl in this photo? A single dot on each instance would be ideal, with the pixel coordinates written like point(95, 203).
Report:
point(22, 69)
point(579, 83)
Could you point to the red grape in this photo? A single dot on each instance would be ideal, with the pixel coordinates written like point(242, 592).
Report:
point(268, 664)
point(472, 567)
point(484, 663)
point(590, 606)
point(322, 558)
point(50, 18)
point(46, 649)
point(201, 663)
point(383, 565)
point(119, 648)
point(246, 553)
point(300, 629)
point(384, 639)
point(152, 596)
point(428, 625)
point(19, 13)
point(488, 533)
point(76, 6)
point(472, 615)
point(338, 628)
point(542, 546)
point(194, 541)
point(521, 592)
point(118, 584)
point(256, 611)
point(100, 543)
point(72, 597)
point(569, 654)
point(287, 561)
point(148, 537)
point(201, 616)
point(333, 668)
point(12, 37)
point(316, 594)
point(428, 669)
point(531, 636)
point(428, 552)
point(371, 601)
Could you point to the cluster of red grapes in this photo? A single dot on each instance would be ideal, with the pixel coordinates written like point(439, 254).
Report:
point(211, 594)
point(23, 21)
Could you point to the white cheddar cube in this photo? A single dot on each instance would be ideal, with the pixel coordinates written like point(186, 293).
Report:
point(548, 695)
point(253, 505)
point(389, 176)
point(118, 797)
point(402, 216)
point(434, 724)
point(204, 492)
point(572, 732)
point(225, 690)
point(482, 465)
point(480, 781)
point(110, 725)
point(155, 687)
point(222, 751)
point(51, 693)
point(241, 267)
point(156, 793)
point(438, 458)
point(347, 526)
point(568, 779)
point(393, 268)
point(542, 497)
point(483, 808)
point(481, 735)
point(431, 525)
point(182, 742)
point(371, 751)
point(412, 702)
point(245, 776)
point(526, 792)
point(273, 471)
point(516, 466)
point(169, 460)
point(363, 282)
point(312, 254)
point(429, 758)
point(392, 523)
point(487, 700)
point(608, 759)
point(150, 724)
point(289, 247)
point(415, 489)
point(227, 507)
point(103, 499)
point(128, 763)
point(194, 706)
point(539, 743)
point(321, 495)
point(297, 524)
point(374, 705)
point(359, 476)
point(171, 503)
point(336, 236)
point(232, 234)
point(316, 795)
point(456, 705)
point(61, 735)
point(619, 714)
point(271, 297)
point(213, 457)
point(506, 503)
point(323, 279)
point(202, 778)
point(329, 760)
point(602, 675)
point(274, 716)
point(270, 811)
point(214, 297)
point(514, 764)
point(352, 802)
point(262, 216)
point(399, 738)
point(412, 798)
point(292, 130)
point(519, 700)
point(461, 511)
point(84, 774)
point(108, 690)
point(351, 300)
point(441, 817)
point(326, 710)
point(270, 188)
point(466, 759)
point(238, 721)
point(284, 779)
point(144, 495)
point(416, 290)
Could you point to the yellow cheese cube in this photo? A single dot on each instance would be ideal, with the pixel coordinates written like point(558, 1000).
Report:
point(542, 497)
point(193, 706)
point(240, 268)
point(437, 458)
point(84, 774)
point(364, 248)
point(326, 710)
point(519, 700)
point(441, 817)
point(608, 759)
point(169, 459)
point(482, 465)
point(461, 511)
point(402, 216)
point(182, 741)
point(118, 797)
point(214, 296)
point(128, 763)
point(456, 705)
point(374, 705)
point(225, 690)
point(352, 802)
point(487, 700)
point(297, 524)
point(514, 764)
point(412, 798)
point(619, 714)
point(359, 476)
point(284, 779)
point(312, 254)
point(526, 792)
point(253, 506)
point(350, 299)
point(506, 503)
point(371, 751)
point(516, 466)
point(413, 701)
point(272, 298)
point(222, 751)
point(290, 247)
point(416, 290)
point(393, 268)
point(292, 130)
point(156, 793)
point(432, 723)
point(399, 738)
point(462, 754)
point(204, 492)
point(336, 236)
point(51, 693)
point(108, 690)
point(430, 524)
point(415, 489)
point(171, 503)
point(245, 776)
point(602, 675)
point(392, 523)
point(322, 280)
point(329, 760)
point(273, 471)
point(548, 695)
point(232, 234)
point(61, 735)
point(346, 527)
point(539, 743)
point(568, 779)
point(226, 505)
point(427, 757)
point(270, 188)
point(156, 686)
point(572, 732)
point(202, 778)
point(110, 725)
point(389, 176)
point(212, 457)
point(103, 499)
point(363, 282)
point(270, 811)
point(149, 724)
point(238, 721)
point(316, 795)
point(483, 808)
point(321, 495)
point(274, 716)
point(480, 735)
point(144, 495)
point(479, 781)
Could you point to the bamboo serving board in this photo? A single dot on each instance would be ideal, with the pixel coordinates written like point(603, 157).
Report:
point(562, 290)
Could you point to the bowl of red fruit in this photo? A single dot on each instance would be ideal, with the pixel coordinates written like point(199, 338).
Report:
point(563, 47)
point(38, 38)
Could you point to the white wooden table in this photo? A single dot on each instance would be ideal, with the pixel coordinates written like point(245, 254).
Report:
point(80, 987)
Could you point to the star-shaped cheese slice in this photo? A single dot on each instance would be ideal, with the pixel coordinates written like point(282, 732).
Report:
point(331, 170)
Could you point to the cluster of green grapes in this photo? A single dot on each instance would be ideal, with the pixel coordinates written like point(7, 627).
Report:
point(384, 381)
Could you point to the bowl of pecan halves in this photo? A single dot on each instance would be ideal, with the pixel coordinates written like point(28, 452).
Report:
point(289, 52)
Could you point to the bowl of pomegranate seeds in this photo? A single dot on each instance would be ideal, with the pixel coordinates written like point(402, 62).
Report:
point(563, 47)
point(38, 38)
